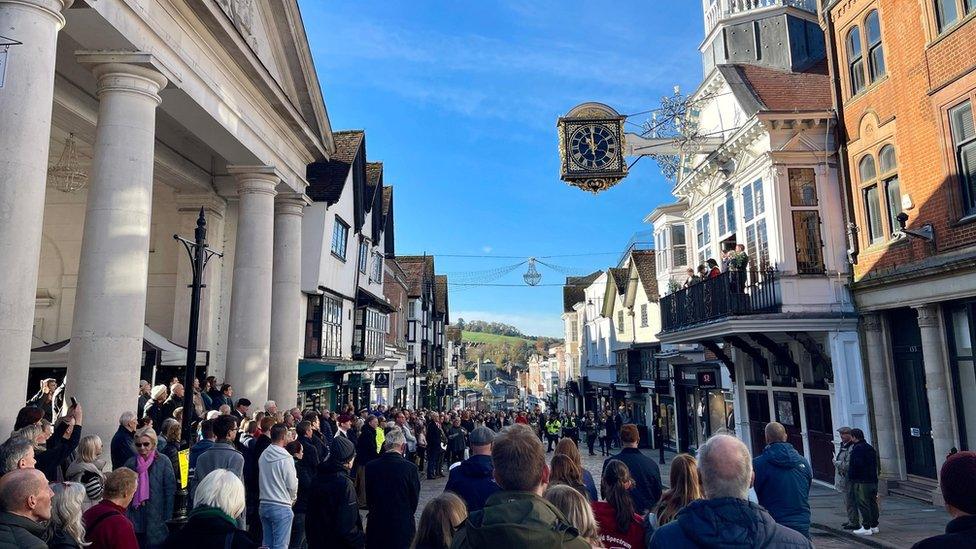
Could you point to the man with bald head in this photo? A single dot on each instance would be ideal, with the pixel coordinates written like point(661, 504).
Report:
point(25, 500)
point(783, 479)
point(726, 517)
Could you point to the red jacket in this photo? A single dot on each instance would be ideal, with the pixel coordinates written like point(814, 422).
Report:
point(107, 527)
point(610, 535)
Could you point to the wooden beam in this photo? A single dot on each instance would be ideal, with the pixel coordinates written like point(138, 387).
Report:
point(720, 354)
point(780, 352)
point(816, 352)
point(755, 354)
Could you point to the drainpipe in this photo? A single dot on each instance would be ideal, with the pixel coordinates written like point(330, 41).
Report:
point(843, 175)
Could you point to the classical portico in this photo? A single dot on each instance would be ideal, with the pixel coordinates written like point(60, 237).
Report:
point(224, 114)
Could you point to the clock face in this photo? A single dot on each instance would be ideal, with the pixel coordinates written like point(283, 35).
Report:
point(593, 147)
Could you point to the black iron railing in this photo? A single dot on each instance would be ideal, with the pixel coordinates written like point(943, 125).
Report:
point(732, 293)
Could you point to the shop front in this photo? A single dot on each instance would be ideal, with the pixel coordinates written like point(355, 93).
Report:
point(702, 406)
point(330, 384)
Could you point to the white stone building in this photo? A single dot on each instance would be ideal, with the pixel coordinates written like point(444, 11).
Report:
point(174, 106)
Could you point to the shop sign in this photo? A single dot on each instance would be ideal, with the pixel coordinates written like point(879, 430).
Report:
point(3, 64)
point(706, 380)
point(381, 380)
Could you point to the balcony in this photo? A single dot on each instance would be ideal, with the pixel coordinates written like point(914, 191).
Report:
point(724, 9)
point(730, 294)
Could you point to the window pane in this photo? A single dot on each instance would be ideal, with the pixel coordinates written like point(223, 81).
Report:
point(803, 187)
point(970, 6)
point(867, 169)
point(963, 127)
point(730, 210)
point(873, 216)
point(887, 159)
point(757, 195)
point(893, 193)
point(763, 243)
point(854, 43)
point(720, 217)
point(967, 174)
point(747, 206)
point(806, 233)
point(857, 77)
point(872, 26)
point(946, 13)
point(877, 62)
point(678, 235)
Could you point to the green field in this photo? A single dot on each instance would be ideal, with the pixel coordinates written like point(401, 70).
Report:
point(482, 337)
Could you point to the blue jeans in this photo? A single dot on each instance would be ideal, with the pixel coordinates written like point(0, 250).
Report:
point(276, 523)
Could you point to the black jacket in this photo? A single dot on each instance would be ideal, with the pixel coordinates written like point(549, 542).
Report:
point(58, 455)
point(60, 539)
point(392, 493)
point(306, 472)
point(17, 532)
point(366, 450)
point(208, 527)
point(647, 478)
point(310, 451)
point(435, 434)
point(154, 411)
point(321, 442)
point(863, 463)
point(472, 481)
point(960, 534)
point(332, 518)
point(783, 479)
point(122, 447)
point(726, 522)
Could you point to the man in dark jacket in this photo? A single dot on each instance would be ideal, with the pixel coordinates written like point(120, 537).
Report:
point(862, 475)
point(241, 409)
point(645, 471)
point(783, 479)
point(958, 482)
point(392, 494)
point(122, 443)
point(310, 449)
point(174, 401)
point(26, 502)
point(472, 479)
point(726, 518)
point(517, 516)
point(332, 519)
point(435, 436)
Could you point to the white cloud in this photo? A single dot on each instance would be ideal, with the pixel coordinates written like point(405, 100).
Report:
point(487, 249)
point(529, 324)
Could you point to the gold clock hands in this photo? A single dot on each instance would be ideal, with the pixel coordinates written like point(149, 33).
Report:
point(592, 141)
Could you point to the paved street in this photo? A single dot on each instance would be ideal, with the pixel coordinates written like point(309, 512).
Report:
point(903, 521)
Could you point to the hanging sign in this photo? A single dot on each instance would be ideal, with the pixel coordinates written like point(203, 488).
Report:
point(381, 380)
point(706, 380)
point(3, 64)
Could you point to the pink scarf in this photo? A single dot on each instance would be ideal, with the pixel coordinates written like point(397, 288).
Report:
point(142, 488)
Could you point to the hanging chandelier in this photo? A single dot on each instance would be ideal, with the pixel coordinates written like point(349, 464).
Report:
point(532, 277)
point(66, 175)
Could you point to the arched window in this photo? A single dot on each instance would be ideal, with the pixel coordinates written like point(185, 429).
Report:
point(889, 176)
point(867, 168)
point(855, 60)
point(876, 59)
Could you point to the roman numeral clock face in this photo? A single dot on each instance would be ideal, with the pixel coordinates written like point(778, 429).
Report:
point(593, 147)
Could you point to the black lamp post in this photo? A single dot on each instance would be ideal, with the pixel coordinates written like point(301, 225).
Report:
point(200, 255)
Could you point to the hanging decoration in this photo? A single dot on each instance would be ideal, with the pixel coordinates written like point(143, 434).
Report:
point(532, 277)
point(66, 175)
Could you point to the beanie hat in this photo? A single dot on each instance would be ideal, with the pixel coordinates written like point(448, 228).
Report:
point(342, 449)
point(958, 480)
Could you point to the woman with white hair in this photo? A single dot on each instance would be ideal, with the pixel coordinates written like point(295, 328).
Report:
point(217, 504)
point(88, 469)
point(65, 529)
point(152, 504)
point(155, 407)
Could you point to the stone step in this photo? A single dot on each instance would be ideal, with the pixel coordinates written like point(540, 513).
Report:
point(920, 490)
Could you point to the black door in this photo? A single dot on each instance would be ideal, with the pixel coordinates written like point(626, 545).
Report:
point(820, 435)
point(787, 406)
point(757, 403)
point(913, 402)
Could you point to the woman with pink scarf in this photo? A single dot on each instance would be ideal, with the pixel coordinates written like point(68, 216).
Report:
point(152, 504)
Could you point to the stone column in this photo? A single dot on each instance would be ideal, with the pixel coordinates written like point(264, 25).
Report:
point(286, 299)
point(25, 135)
point(884, 427)
point(936, 383)
point(110, 305)
point(189, 206)
point(249, 332)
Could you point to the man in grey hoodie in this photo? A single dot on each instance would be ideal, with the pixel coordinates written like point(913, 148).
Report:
point(278, 482)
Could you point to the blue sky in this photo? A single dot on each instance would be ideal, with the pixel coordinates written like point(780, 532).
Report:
point(459, 100)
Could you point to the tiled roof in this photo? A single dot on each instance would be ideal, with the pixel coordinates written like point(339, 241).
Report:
point(387, 200)
point(440, 293)
point(453, 333)
point(374, 180)
point(619, 277)
point(644, 262)
point(414, 266)
point(573, 290)
point(778, 90)
point(326, 179)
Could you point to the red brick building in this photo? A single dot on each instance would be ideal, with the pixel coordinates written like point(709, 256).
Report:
point(904, 87)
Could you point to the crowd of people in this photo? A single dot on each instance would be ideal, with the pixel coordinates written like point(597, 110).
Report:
point(352, 479)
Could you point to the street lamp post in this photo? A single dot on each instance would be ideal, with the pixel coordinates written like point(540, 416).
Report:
point(200, 255)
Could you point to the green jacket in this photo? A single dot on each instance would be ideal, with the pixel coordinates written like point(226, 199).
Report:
point(553, 426)
point(517, 519)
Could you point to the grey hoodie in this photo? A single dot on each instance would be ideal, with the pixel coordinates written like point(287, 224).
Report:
point(277, 477)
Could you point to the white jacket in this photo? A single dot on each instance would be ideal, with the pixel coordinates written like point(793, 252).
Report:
point(278, 479)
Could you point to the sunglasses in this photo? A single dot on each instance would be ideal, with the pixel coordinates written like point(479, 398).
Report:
point(143, 444)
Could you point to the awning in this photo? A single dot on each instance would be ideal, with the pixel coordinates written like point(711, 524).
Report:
point(56, 354)
point(322, 374)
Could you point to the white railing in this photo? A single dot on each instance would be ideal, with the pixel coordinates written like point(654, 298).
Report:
point(721, 9)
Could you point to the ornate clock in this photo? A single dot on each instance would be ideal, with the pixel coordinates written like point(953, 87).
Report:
point(591, 147)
